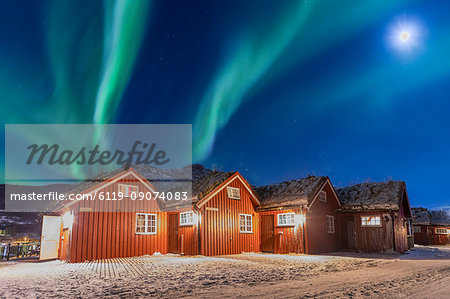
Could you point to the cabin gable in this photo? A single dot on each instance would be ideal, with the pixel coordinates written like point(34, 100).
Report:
point(221, 230)
point(108, 228)
point(321, 223)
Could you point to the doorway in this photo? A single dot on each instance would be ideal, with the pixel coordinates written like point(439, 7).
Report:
point(51, 228)
point(267, 233)
point(173, 233)
point(351, 234)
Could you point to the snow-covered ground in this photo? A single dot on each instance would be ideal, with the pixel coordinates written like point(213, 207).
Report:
point(425, 272)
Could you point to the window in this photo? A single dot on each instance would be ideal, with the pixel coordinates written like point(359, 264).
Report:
point(416, 229)
point(330, 224)
point(245, 223)
point(370, 221)
point(286, 219)
point(322, 196)
point(187, 218)
point(145, 224)
point(234, 193)
point(127, 190)
point(441, 231)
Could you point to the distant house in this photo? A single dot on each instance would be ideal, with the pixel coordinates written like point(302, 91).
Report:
point(431, 227)
point(299, 216)
point(376, 217)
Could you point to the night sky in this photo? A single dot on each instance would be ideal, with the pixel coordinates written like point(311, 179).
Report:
point(354, 90)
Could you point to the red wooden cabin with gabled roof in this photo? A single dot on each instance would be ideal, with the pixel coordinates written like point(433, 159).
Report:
point(221, 219)
point(101, 229)
point(299, 216)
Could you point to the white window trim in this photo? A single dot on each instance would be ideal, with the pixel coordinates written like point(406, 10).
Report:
point(333, 226)
point(251, 224)
point(325, 196)
point(440, 231)
point(187, 223)
point(230, 192)
point(285, 224)
point(128, 185)
point(380, 225)
point(146, 226)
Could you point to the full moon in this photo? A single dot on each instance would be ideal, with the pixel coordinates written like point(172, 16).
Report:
point(404, 36)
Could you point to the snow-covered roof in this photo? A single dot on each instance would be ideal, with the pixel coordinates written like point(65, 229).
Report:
point(372, 196)
point(424, 217)
point(421, 216)
point(290, 193)
point(203, 181)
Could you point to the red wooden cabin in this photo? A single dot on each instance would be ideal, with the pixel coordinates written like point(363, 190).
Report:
point(101, 229)
point(431, 228)
point(221, 218)
point(375, 217)
point(299, 216)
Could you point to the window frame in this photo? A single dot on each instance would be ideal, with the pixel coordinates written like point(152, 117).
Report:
point(332, 222)
point(284, 214)
point(230, 192)
point(120, 185)
point(246, 231)
point(416, 229)
point(325, 196)
point(187, 223)
point(438, 230)
point(146, 226)
point(372, 225)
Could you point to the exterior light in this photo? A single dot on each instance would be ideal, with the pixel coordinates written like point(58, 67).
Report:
point(299, 219)
point(67, 220)
point(195, 217)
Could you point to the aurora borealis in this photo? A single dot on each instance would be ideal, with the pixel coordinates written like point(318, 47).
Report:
point(275, 90)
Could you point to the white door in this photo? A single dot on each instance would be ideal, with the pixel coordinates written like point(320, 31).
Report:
point(51, 227)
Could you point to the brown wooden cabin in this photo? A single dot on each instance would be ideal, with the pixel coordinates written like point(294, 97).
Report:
point(299, 216)
point(376, 217)
point(431, 228)
point(221, 219)
point(101, 229)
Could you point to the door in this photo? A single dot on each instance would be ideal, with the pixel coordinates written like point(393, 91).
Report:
point(51, 228)
point(267, 232)
point(429, 236)
point(351, 234)
point(173, 233)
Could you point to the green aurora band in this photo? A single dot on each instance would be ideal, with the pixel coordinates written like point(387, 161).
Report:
point(260, 57)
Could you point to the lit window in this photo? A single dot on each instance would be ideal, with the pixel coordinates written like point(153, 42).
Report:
point(127, 190)
point(286, 219)
point(187, 218)
point(330, 224)
point(322, 196)
point(233, 193)
point(370, 221)
point(245, 223)
point(145, 224)
point(441, 231)
point(416, 229)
